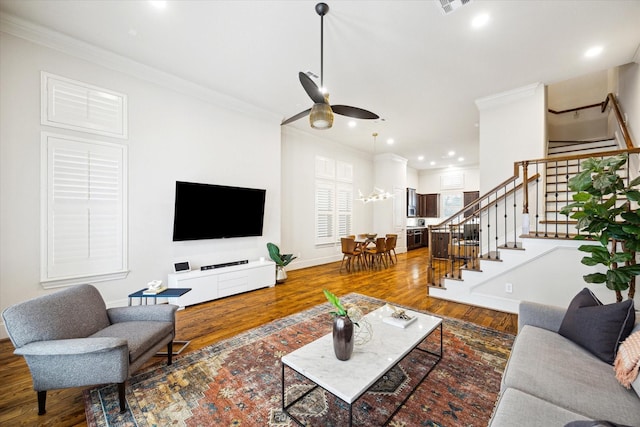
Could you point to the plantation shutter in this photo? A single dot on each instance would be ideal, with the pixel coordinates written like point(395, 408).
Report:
point(334, 200)
point(84, 210)
point(344, 202)
point(325, 202)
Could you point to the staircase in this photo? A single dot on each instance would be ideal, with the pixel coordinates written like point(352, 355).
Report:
point(523, 238)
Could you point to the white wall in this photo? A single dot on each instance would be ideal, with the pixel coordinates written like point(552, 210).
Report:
point(512, 128)
point(172, 136)
point(629, 98)
point(299, 150)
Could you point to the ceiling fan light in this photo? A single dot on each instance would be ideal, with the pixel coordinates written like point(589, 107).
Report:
point(321, 116)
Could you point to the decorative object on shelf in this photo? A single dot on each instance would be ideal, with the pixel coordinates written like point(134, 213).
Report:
point(342, 328)
point(281, 260)
point(377, 193)
point(605, 206)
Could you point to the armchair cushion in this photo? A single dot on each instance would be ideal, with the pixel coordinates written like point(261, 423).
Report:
point(139, 335)
point(70, 346)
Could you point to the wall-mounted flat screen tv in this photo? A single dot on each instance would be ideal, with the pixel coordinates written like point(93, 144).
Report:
point(205, 211)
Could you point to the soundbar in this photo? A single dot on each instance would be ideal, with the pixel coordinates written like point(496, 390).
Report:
point(224, 264)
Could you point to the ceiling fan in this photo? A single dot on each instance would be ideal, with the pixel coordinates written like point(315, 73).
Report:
point(321, 114)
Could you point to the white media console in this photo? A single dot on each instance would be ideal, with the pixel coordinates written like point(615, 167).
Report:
point(207, 285)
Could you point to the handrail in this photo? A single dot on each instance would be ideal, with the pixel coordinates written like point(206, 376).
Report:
point(480, 199)
point(616, 110)
point(599, 104)
point(615, 106)
point(516, 165)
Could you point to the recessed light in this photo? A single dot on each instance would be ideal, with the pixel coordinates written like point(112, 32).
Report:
point(451, 153)
point(480, 20)
point(158, 4)
point(390, 141)
point(432, 163)
point(352, 123)
point(461, 159)
point(420, 158)
point(593, 51)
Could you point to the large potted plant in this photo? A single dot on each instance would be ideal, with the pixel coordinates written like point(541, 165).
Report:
point(606, 208)
point(281, 260)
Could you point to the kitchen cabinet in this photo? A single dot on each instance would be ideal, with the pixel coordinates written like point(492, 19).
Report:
point(412, 202)
point(468, 197)
point(416, 238)
point(432, 205)
point(440, 245)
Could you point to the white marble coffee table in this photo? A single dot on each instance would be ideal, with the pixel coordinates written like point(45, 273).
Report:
point(348, 380)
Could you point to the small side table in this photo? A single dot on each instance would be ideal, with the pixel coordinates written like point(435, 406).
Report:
point(167, 293)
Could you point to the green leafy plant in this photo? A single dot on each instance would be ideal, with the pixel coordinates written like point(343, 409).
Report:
point(280, 259)
point(605, 207)
point(340, 310)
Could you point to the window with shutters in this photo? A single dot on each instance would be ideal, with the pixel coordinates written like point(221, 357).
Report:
point(334, 200)
point(84, 207)
point(79, 106)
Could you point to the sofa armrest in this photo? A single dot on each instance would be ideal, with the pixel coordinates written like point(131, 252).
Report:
point(71, 346)
point(541, 315)
point(156, 312)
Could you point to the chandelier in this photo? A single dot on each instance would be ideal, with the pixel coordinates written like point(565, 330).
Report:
point(377, 193)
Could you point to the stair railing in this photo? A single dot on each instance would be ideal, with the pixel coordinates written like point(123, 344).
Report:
point(615, 107)
point(491, 223)
point(476, 231)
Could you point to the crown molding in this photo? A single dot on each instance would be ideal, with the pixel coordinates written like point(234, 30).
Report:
point(42, 36)
point(508, 97)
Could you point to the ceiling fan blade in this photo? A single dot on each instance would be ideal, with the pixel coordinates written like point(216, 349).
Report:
point(296, 117)
point(355, 112)
point(311, 88)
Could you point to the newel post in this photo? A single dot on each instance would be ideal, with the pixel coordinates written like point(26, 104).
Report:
point(525, 197)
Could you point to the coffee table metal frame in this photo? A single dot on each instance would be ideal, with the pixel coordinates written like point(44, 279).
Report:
point(314, 371)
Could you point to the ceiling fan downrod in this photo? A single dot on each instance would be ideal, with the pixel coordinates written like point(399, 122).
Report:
point(322, 9)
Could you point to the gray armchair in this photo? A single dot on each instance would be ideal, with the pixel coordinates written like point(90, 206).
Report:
point(70, 339)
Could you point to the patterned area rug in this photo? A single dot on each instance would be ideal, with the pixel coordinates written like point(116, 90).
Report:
point(237, 382)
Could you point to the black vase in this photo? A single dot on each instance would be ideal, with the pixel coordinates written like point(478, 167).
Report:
point(342, 337)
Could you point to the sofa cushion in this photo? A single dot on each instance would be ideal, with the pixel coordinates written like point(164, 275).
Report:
point(598, 328)
point(546, 365)
point(516, 408)
point(140, 335)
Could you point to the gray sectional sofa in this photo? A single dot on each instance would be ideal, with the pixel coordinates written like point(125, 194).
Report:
point(551, 381)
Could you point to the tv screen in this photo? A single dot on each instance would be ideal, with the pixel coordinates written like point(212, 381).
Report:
point(205, 211)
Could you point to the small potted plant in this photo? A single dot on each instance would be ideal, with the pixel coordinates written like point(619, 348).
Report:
point(281, 260)
point(343, 336)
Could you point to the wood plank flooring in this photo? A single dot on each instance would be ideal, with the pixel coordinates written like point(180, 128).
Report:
point(403, 283)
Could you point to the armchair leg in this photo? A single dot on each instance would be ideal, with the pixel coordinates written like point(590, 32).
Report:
point(123, 403)
point(42, 401)
point(169, 352)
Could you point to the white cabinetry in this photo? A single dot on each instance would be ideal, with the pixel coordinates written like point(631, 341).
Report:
point(207, 285)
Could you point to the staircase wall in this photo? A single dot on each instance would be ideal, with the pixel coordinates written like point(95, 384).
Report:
point(547, 271)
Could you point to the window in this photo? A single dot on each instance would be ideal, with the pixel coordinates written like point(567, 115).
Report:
point(84, 205)
point(334, 200)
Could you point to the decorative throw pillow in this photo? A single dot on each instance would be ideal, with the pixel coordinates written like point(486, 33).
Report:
point(596, 327)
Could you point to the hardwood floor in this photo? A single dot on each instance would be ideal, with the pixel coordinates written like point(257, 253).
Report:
point(204, 324)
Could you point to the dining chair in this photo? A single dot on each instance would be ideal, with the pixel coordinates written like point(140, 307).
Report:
point(349, 252)
point(390, 246)
point(377, 253)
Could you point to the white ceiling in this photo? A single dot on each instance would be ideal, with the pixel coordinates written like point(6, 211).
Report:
point(419, 69)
